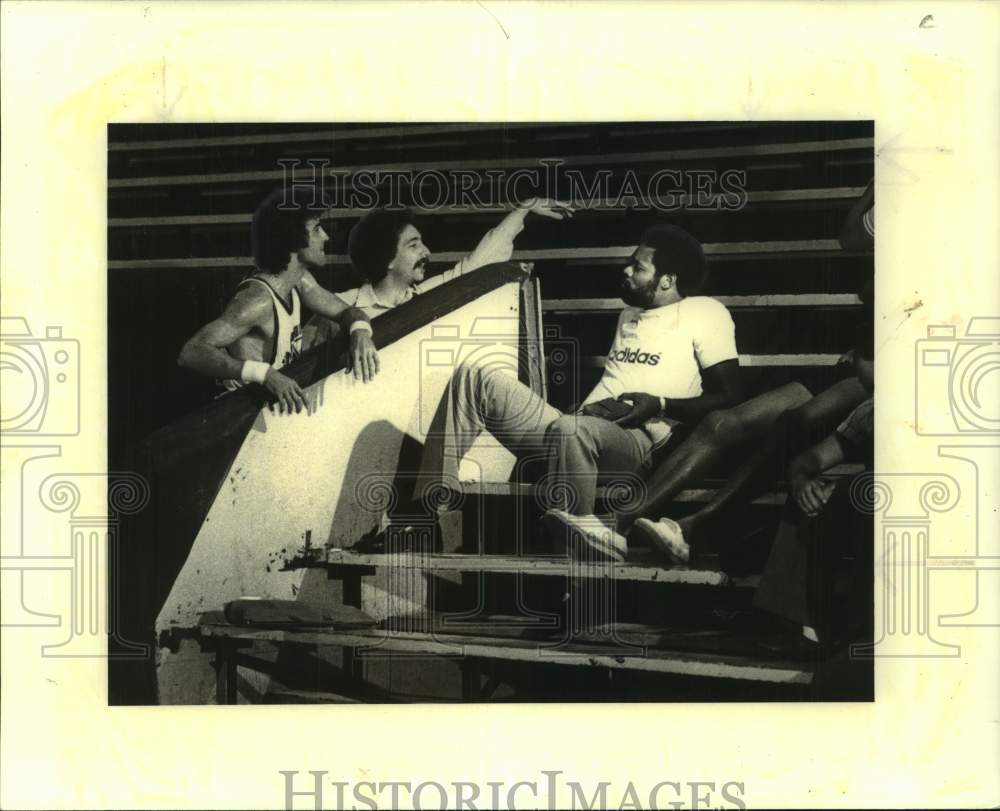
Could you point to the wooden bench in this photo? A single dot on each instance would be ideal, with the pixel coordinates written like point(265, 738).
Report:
point(470, 649)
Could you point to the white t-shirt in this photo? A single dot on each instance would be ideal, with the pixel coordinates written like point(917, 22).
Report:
point(661, 351)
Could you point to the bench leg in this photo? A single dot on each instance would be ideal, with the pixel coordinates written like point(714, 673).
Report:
point(353, 664)
point(470, 679)
point(225, 674)
point(352, 589)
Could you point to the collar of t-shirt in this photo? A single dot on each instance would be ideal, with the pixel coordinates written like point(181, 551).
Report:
point(367, 297)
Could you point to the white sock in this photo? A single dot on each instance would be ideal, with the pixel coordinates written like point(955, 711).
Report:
point(810, 633)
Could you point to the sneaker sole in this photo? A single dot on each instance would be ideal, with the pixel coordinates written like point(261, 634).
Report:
point(568, 534)
point(645, 531)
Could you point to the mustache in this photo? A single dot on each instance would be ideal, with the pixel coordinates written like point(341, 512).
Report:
point(422, 263)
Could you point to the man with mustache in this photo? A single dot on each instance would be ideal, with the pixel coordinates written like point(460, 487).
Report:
point(387, 249)
point(260, 331)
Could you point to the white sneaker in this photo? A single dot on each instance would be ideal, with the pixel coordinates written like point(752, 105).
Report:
point(586, 536)
point(664, 536)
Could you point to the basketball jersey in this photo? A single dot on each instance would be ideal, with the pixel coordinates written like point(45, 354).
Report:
point(287, 344)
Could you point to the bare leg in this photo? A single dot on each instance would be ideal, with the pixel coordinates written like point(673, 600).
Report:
point(715, 434)
point(789, 435)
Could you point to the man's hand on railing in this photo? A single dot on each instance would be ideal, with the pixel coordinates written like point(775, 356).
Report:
point(290, 396)
point(362, 357)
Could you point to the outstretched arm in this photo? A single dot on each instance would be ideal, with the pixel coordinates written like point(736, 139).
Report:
point(498, 243)
point(205, 352)
point(362, 355)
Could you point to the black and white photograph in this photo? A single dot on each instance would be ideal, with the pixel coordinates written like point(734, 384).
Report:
point(493, 412)
point(472, 404)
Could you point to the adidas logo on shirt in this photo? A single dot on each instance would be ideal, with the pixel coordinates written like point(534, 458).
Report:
point(634, 356)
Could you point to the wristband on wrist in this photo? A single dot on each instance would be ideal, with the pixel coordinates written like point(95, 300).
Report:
point(365, 325)
point(254, 371)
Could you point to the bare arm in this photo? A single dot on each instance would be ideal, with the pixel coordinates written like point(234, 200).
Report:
point(362, 355)
point(320, 300)
point(205, 352)
point(809, 491)
point(854, 236)
point(498, 243)
point(720, 390)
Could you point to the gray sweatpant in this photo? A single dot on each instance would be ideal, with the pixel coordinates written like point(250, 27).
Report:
point(580, 450)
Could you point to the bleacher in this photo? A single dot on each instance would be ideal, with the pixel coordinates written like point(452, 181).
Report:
point(179, 207)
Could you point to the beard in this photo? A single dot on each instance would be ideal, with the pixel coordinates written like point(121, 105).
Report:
point(638, 296)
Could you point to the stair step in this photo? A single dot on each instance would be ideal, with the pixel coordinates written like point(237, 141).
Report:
point(524, 490)
point(694, 494)
point(617, 657)
point(638, 571)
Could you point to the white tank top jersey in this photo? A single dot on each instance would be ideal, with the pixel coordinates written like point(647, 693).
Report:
point(661, 351)
point(287, 330)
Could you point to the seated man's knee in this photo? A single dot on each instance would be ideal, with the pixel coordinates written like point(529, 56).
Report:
point(568, 429)
point(562, 428)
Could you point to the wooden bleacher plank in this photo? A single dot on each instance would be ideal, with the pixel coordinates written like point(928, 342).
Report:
point(618, 158)
point(815, 359)
point(483, 647)
point(770, 196)
point(536, 566)
point(777, 248)
point(582, 305)
point(199, 262)
point(528, 490)
point(701, 494)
